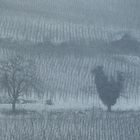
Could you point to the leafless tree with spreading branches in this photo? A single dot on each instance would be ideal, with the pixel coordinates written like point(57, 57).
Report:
point(18, 77)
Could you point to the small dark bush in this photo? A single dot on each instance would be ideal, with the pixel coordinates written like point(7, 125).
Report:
point(49, 102)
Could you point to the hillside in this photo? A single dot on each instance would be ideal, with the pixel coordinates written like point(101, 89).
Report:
point(64, 20)
point(66, 71)
point(67, 39)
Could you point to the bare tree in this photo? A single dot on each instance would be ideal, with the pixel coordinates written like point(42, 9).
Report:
point(18, 77)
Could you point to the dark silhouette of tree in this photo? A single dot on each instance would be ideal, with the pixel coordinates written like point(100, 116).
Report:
point(18, 77)
point(108, 90)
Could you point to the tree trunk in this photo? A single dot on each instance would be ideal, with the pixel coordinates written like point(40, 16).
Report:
point(14, 106)
point(109, 108)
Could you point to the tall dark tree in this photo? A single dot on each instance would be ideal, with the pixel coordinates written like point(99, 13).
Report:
point(18, 77)
point(109, 89)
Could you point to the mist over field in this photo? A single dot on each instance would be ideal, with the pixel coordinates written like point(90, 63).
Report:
point(67, 40)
